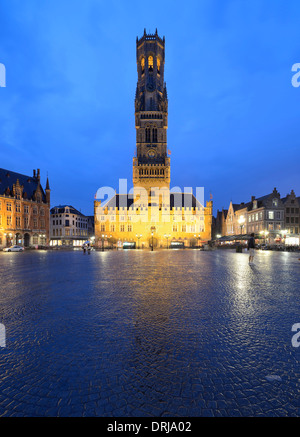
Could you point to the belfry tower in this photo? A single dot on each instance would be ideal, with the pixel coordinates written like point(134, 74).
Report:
point(151, 165)
point(152, 216)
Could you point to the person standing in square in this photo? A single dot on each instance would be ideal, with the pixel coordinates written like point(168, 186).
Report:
point(251, 248)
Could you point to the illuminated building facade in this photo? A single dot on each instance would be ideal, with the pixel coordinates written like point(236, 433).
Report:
point(152, 215)
point(24, 209)
point(68, 226)
point(273, 219)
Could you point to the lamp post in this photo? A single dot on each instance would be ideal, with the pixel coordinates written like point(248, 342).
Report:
point(167, 237)
point(138, 237)
point(102, 242)
point(152, 242)
point(241, 223)
point(265, 234)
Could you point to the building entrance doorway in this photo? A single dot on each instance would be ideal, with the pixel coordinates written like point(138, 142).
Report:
point(26, 240)
point(18, 239)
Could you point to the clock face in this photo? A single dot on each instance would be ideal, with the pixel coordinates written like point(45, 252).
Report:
point(151, 154)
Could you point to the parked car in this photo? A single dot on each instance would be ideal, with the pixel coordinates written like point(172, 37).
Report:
point(14, 249)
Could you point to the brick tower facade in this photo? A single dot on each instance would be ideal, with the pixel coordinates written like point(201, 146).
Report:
point(151, 165)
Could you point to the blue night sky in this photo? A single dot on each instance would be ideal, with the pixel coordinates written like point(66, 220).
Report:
point(68, 105)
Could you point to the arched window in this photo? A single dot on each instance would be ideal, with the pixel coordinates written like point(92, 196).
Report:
point(158, 65)
point(154, 135)
point(150, 63)
point(143, 65)
point(147, 131)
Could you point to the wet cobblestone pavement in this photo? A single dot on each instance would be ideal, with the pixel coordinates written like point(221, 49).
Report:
point(140, 333)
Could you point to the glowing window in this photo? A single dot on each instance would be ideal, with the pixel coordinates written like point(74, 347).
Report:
point(143, 65)
point(150, 63)
point(158, 65)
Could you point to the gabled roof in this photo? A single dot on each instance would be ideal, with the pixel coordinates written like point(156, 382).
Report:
point(290, 196)
point(30, 184)
point(61, 209)
point(237, 207)
point(249, 205)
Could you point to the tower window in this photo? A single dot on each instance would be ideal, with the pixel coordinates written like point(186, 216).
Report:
point(147, 131)
point(150, 63)
point(143, 65)
point(154, 135)
point(158, 65)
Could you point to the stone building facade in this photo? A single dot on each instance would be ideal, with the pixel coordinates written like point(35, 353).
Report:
point(292, 218)
point(68, 226)
point(24, 210)
point(152, 215)
point(270, 217)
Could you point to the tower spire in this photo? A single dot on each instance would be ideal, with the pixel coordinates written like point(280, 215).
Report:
point(48, 190)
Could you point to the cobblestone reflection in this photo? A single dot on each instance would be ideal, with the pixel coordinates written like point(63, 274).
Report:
point(140, 333)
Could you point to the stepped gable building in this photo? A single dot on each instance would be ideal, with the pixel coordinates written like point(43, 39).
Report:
point(24, 209)
point(274, 219)
point(292, 217)
point(153, 215)
point(259, 216)
point(219, 223)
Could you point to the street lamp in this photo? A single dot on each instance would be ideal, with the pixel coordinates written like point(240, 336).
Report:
point(265, 234)
point(152, 241)
point(138, 237)
point(167, 237)
point(284, 234)
point(241, 222)
point(102, 242)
